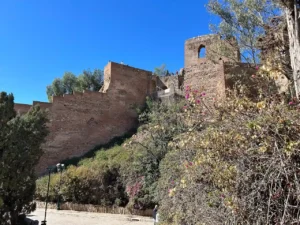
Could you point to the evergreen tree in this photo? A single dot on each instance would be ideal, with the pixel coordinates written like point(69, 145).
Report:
point(20, 150)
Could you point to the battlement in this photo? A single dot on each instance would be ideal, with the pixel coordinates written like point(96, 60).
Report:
point(120, 71)
point(201, 38)
point(22, 108)
point(116, 65)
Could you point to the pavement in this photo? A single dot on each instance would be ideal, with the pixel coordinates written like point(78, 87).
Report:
point(68, 217)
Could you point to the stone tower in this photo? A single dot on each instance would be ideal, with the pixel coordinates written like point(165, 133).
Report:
point(204, 59)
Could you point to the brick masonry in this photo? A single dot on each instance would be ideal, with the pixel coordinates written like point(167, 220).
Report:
point(81, 121)
point(212, 73)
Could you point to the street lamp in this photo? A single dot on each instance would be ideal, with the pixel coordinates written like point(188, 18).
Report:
point(60, 168)
point(50, 169)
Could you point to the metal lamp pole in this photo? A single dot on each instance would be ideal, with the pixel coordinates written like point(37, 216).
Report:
point(44, 222)
point(60, 168)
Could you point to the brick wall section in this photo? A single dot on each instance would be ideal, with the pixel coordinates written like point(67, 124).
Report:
point(130, 84)
point(208, 73)
point(22, 108)
point(191, 49)
point(204, 74)
point(206, 77)
point(80, 121)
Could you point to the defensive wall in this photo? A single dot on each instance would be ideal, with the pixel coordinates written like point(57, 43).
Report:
point(81, 121)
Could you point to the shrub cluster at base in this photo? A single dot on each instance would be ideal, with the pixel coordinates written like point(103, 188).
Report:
point(95, 181)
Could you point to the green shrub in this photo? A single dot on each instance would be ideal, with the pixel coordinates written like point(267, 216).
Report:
point(94, 181)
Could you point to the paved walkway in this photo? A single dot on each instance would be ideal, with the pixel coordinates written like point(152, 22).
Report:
point(66, 217)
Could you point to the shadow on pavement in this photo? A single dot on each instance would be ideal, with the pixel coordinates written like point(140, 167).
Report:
point(23, 220)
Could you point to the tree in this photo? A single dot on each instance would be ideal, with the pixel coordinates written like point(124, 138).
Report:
point(58, 87)
point(97, 80)
point(161, 71)
point(69, 81)
point(244, 21)
point(50, 92)
point(88, 80)
point(291, 8)
point(20, 150)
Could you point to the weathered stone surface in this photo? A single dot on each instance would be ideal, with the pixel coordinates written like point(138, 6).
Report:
point(206, 77)
point(80, 121)
point(22, 108)
point(204, 74)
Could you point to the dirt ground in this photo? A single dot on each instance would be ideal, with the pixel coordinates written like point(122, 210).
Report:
point(66, 217)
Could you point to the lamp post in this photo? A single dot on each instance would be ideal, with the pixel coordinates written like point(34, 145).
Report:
point(50, 169)
point(60, 168)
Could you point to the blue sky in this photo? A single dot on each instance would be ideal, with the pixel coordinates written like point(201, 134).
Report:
point(41, 39)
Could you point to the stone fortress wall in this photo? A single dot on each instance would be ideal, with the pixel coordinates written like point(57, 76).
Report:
point(81, 121)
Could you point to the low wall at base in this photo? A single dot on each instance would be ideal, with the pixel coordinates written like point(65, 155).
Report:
point(96, 209)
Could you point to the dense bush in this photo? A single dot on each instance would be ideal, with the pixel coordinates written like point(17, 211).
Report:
point(242, 169)
point(94, 181)
point(148, 147)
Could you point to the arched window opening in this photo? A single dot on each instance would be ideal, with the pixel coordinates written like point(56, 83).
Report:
point(202, 52)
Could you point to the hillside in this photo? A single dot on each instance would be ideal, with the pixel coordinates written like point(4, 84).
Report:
point(200, 162)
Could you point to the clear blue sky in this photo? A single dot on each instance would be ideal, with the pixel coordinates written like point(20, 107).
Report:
point(41, 39)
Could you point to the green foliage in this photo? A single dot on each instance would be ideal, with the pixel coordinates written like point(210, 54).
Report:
point(161, 71)
point(148, 149)
point(58, 87)
point(145, 111)
point(94, 181)
point(20, 151)
point(69, 81)
point(88, 80)
point(244, 20)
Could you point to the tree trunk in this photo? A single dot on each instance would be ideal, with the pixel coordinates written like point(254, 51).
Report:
point(292, 17)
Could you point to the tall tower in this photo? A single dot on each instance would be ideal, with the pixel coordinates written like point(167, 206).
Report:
point(204, 58)
point(210, 47)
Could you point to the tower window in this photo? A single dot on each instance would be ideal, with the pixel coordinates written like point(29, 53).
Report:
point(202, 52)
